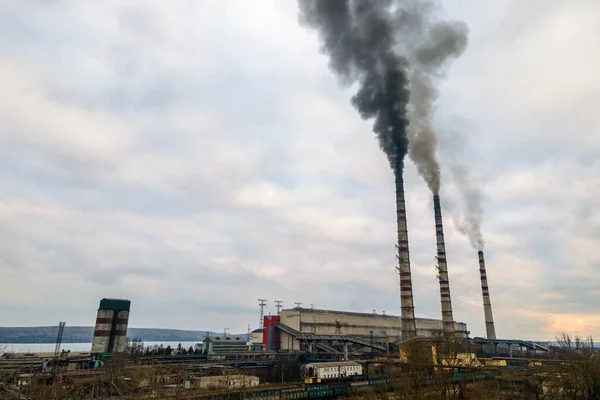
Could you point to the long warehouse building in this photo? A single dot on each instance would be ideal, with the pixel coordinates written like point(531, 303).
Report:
point(375, 328)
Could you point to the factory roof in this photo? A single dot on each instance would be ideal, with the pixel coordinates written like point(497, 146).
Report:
point(320, 311)
point(359, 314)
point(335, 364)
point(220, 339)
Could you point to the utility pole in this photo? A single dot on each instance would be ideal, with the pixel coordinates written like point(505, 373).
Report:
point(298, 304)
point(278, 306)
point(262, 303)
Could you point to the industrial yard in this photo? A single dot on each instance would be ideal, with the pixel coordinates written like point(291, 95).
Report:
point(302, 353)
point(327, 365)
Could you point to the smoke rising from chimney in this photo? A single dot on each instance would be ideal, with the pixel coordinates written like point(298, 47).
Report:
point(468, 218)
point(360, 39)
point(385, 46)
point(437, 42)
point(469, 223)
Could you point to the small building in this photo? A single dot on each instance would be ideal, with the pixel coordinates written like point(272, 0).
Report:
point(212, 345)
point(256, 340)
point(331, 370)
point(463, 360)
point(490, 362)
point(271, 336)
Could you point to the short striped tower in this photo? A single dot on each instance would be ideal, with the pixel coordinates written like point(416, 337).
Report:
point(111, 326)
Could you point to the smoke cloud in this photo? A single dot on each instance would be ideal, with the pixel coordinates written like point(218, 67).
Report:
point(469, 215)
point(360, 38)
point(390, 48)
point(435, 44)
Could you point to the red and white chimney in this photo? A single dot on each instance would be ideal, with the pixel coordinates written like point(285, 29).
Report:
point(409, 329)
point(490, 330)
point(447, 317)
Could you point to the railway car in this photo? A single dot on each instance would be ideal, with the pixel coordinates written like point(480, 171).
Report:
point(331, 371)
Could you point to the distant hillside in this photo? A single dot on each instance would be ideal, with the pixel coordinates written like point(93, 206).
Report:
point(84, 334)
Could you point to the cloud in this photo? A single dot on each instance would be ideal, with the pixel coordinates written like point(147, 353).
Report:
point(37, 123)
point(196, 157)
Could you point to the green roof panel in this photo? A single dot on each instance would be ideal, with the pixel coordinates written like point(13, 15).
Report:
point(115, 304)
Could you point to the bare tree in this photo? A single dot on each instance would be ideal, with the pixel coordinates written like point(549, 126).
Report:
point(447, 348)
point(579, 372)
point(134, 348)
point(413, 382)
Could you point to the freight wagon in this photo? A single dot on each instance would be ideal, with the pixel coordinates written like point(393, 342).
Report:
point(351, 386)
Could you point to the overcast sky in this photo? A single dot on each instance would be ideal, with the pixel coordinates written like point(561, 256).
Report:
point(194, 156)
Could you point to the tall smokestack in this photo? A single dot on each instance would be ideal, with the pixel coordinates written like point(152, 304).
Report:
point(409, 329)
point(371, 58)
point(487, 303)
point(447, 318)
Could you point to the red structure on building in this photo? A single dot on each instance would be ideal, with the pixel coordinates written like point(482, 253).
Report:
point(271, 335)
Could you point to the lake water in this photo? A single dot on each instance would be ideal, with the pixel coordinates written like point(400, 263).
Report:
point(74, 347)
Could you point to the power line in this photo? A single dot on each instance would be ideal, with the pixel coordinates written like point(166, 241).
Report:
point(278, 306)
point(262, 303)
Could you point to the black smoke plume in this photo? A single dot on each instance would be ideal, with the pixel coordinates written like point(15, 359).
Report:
point(391, 47)
point(360, 38)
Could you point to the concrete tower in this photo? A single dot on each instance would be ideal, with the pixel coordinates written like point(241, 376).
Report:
point(111, 326)
point(447, 317)
point(409, 329)
point(490, 330)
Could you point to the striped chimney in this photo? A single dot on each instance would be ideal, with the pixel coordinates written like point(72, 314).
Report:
point(447, 318)
point(490, 330)
point(409, 329)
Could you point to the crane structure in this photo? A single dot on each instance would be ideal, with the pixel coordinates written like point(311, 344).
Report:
point(59, 336)
point(61, 329)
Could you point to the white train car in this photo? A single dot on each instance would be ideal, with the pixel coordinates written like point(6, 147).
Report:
point(331, 371)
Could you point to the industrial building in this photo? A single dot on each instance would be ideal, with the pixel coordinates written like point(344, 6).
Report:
point(212, 345)
point(111, 326)
point(256, 340)
point(294, 328)
point(315, 372)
